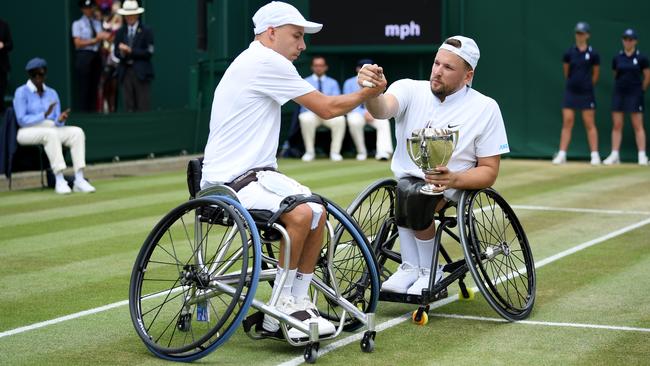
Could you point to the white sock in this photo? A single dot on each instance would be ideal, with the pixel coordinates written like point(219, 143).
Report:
point(79, 174)
point(594, 154)
point(642, 154)
point(301, 283)
point(408, 247)
point(561, 153)
point(288, 284)
point(425, 251)
point(59, 177)
point(614, 153)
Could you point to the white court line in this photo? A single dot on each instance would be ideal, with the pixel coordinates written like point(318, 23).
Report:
point(581, 210)
point(550, 324)
point(392, 322)
point(63, 318)
point(343, 341)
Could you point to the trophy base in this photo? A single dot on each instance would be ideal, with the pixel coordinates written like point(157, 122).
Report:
point(428, 190)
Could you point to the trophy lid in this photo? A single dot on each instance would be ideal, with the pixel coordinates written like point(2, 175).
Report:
point(430, 132)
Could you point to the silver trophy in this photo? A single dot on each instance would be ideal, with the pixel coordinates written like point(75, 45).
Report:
point(429, 148)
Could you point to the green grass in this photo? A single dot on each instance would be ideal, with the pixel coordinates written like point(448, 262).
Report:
point(62, 255)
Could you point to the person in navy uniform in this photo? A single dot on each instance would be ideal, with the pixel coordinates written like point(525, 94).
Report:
point(87, 36)
point(581, 70)
point(632, 76)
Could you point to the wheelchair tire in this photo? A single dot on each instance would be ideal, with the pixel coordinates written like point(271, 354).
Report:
point(354, 267)
point(177, 299)
point(374, 211)
point(497, 253)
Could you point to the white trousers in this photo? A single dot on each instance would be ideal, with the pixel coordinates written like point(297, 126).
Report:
point(52, 137)
point(309, 121)
point(356, 123)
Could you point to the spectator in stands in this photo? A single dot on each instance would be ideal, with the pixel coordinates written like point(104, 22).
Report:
point(111, 23)
point(6, 45)
point(41, 122)
point(88, 35)
point(134, 49)
point(359, 118)
point(632, 77)
point(309, 120)
point(581, 69)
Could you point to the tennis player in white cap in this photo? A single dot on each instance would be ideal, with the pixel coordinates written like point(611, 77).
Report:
point(244, 136)
point(445, 101)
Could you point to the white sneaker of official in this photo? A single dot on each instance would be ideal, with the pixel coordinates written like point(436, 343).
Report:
point(61, 187)
point(643, 159)
point(560, 158)
point(612, 159)
point(401, 280)
point(82, 185)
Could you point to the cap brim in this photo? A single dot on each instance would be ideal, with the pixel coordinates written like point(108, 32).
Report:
point(310, 27)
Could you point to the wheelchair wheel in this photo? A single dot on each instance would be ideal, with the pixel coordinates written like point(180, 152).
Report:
point(195, 278)
point(497, 253)
point(354, 269)
point(374, 211)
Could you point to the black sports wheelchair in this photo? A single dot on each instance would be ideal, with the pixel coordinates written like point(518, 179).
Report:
point(198, 272)
point(495, 249)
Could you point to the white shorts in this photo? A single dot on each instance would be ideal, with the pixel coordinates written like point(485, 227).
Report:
point(269, 191)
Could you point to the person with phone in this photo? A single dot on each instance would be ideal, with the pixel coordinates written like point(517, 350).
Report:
point(41, 122)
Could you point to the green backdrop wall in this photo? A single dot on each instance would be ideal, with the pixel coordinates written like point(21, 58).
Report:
point(521, 42)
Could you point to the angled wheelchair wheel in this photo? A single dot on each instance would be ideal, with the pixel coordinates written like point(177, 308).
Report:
point(374, 211)
point(195, 278)
point(497, 253)
point(354, 270)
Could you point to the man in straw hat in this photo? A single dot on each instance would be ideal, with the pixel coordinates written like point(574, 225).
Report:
point(243, 142)
point(134, 49)
point(445, 101)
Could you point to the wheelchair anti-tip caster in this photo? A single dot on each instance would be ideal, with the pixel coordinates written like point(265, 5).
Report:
point(311, 352)
point(466, 294)
point(421, 316)
point(368, 342)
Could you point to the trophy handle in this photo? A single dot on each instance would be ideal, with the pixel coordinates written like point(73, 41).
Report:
point(409, 149)
point(455, 139)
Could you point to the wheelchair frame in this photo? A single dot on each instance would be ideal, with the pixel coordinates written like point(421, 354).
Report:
point(208, 274)
point(492, 251)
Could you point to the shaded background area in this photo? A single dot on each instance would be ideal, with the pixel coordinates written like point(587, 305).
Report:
point(521, 44)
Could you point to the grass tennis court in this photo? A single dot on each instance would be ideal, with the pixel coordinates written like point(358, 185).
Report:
point(64, 255)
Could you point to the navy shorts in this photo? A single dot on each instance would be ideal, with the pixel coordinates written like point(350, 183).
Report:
point(575, 100)
point(627, 102)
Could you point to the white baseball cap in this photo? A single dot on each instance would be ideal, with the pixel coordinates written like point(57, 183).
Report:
point(468, 50)
point(277, 13)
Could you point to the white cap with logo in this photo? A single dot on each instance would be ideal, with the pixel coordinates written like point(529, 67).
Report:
point(468, 50)
point(277, 13)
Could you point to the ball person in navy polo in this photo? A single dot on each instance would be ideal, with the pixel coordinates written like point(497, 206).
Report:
point(581, 66)
point(632, 76)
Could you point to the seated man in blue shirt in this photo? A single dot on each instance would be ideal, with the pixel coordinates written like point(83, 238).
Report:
point(360, 117)
point(41, 122)
point(309, 121)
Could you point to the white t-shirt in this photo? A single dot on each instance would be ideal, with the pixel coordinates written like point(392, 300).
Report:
point(476, 117)
point(245, 117)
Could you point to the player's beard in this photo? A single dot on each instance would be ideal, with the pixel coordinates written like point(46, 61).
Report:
point(442, 91)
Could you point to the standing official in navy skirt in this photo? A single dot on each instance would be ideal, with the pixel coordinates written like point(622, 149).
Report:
point(581, 68)
point(632, 76)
